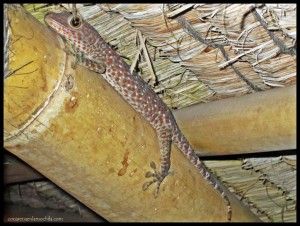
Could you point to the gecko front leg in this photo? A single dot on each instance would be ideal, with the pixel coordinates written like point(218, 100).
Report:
point(96, 66)
point(165, 141)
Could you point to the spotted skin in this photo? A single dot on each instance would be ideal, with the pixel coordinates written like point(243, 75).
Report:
point(101, 58)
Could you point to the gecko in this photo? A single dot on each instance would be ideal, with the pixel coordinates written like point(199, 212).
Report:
point(99, 56)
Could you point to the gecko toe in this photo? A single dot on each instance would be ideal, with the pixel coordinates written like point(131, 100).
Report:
point(149, 174)
point(153, 165)
point(146, 185)
point(158, 178)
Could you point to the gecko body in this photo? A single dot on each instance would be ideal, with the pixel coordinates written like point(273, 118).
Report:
point(100, 57)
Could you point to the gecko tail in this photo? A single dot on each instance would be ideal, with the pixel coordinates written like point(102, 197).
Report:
point(184, 146)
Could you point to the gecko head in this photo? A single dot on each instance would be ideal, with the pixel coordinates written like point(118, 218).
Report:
point(74, 29)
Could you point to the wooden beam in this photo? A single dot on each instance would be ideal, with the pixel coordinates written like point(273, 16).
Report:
point(72, 127)
point(258, 122)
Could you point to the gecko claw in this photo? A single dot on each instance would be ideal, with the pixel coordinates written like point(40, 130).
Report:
point(158, 178)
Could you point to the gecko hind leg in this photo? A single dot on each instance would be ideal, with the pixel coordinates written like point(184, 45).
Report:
point(165, 140)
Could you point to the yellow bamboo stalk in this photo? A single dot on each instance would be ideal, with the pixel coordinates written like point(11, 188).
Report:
point(72, 127)
point(258, 122)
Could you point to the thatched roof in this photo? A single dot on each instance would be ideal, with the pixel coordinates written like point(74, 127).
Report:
point(202, 52)
point(192, 53)
point(267, 185)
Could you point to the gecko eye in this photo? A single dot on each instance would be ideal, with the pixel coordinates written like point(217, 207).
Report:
point(75, 22)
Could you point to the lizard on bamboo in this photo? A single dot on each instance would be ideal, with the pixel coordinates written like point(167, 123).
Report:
point(101, 58)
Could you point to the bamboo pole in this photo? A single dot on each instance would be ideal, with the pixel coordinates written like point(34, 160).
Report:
point(258, 122)
point(72, 127)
